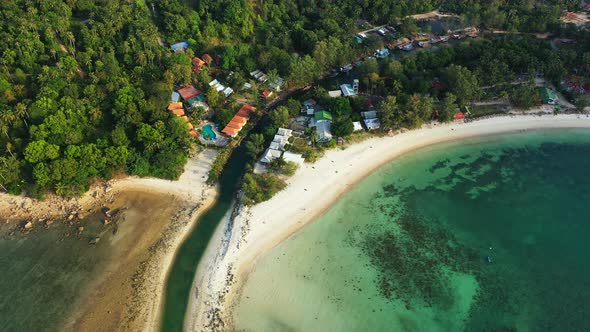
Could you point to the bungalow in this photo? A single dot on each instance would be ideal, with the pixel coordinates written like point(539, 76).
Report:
point(175, 97)
point(235, 124)
point(549, 96)
point(323, 120)
point(221, 88)
point(179, 47)
point(323, 130)
point(243, 114)
point(207, 58)
point(275, 146)
point(285, 132)
point(323, 116)
point(265, 94)
point(247, 108)
point(309, 107)
point(335, 93)
point(230, 131)
point(372, 123)
point(280, 141)
point(185, 118)
point(193, 133)
point(270, 155)
point(197, 64)
point(175, 106)
point(277, 84)
point(228, 91)
point(357, 126)
point(238, 121)
point(459, 116)
point(382, 53)
point(188, 92)
point(259, 76)
point(370, 119)
point(369, 115)
point(293, 157)
point(347, 90)
point(178, 112)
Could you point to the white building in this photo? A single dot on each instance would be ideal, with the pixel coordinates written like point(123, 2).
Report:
point(270, 155)
point(293, 157)
point(357, 126)
point(323, 130)
point(372, 123)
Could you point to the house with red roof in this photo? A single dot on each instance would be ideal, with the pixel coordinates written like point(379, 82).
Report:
point(247, 109)
point(266, 94)
point(197, 64)
point(459, 116)
point(238, 121)
point(207, 58)
point(188, 92)
point(175, 106)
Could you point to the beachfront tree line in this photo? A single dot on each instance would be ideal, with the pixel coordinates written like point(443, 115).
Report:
point(83, 87)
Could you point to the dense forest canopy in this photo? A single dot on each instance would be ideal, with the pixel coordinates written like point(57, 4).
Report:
point(84, 84)
point(84, 88)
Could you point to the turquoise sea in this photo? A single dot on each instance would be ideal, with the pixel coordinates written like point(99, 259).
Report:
point(486, 234)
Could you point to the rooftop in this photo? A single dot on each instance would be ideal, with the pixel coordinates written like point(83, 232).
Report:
point(323, 115)
point(188, 92)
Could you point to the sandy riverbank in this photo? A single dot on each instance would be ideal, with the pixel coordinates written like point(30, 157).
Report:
point(234, 249)
point(157, 214)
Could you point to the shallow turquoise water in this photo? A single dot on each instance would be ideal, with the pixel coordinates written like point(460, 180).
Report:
point(481, 235)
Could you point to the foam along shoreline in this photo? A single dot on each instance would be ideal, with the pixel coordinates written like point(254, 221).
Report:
point(254, 231)
point(127, 293)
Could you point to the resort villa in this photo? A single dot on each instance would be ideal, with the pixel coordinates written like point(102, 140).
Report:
point(177, 109)
point(197, 64)
point(277, 148)
point(322, 121)
point(179, 47)
point(239, 120)
point(349, 90)
point(370, 118)
point(221, 88)
point(188, 92)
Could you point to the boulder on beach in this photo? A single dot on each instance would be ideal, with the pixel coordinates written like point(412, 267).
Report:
point(28, 226)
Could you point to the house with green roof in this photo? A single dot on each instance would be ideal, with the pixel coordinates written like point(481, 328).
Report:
point(322, 121)
point(322, 115)
point(549, 96)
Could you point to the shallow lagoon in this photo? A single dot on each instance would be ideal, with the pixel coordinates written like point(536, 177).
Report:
point(483, 234)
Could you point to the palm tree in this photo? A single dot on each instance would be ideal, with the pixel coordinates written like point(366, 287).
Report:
point(20, 111)
point(4, 129)
point(9, 149)
point(255, 144)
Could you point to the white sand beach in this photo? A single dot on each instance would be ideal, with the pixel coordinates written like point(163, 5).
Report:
point(236, 245)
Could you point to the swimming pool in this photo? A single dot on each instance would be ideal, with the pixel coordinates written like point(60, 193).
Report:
point(208, 133)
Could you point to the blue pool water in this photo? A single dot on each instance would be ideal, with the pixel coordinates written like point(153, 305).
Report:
point(208, 133)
